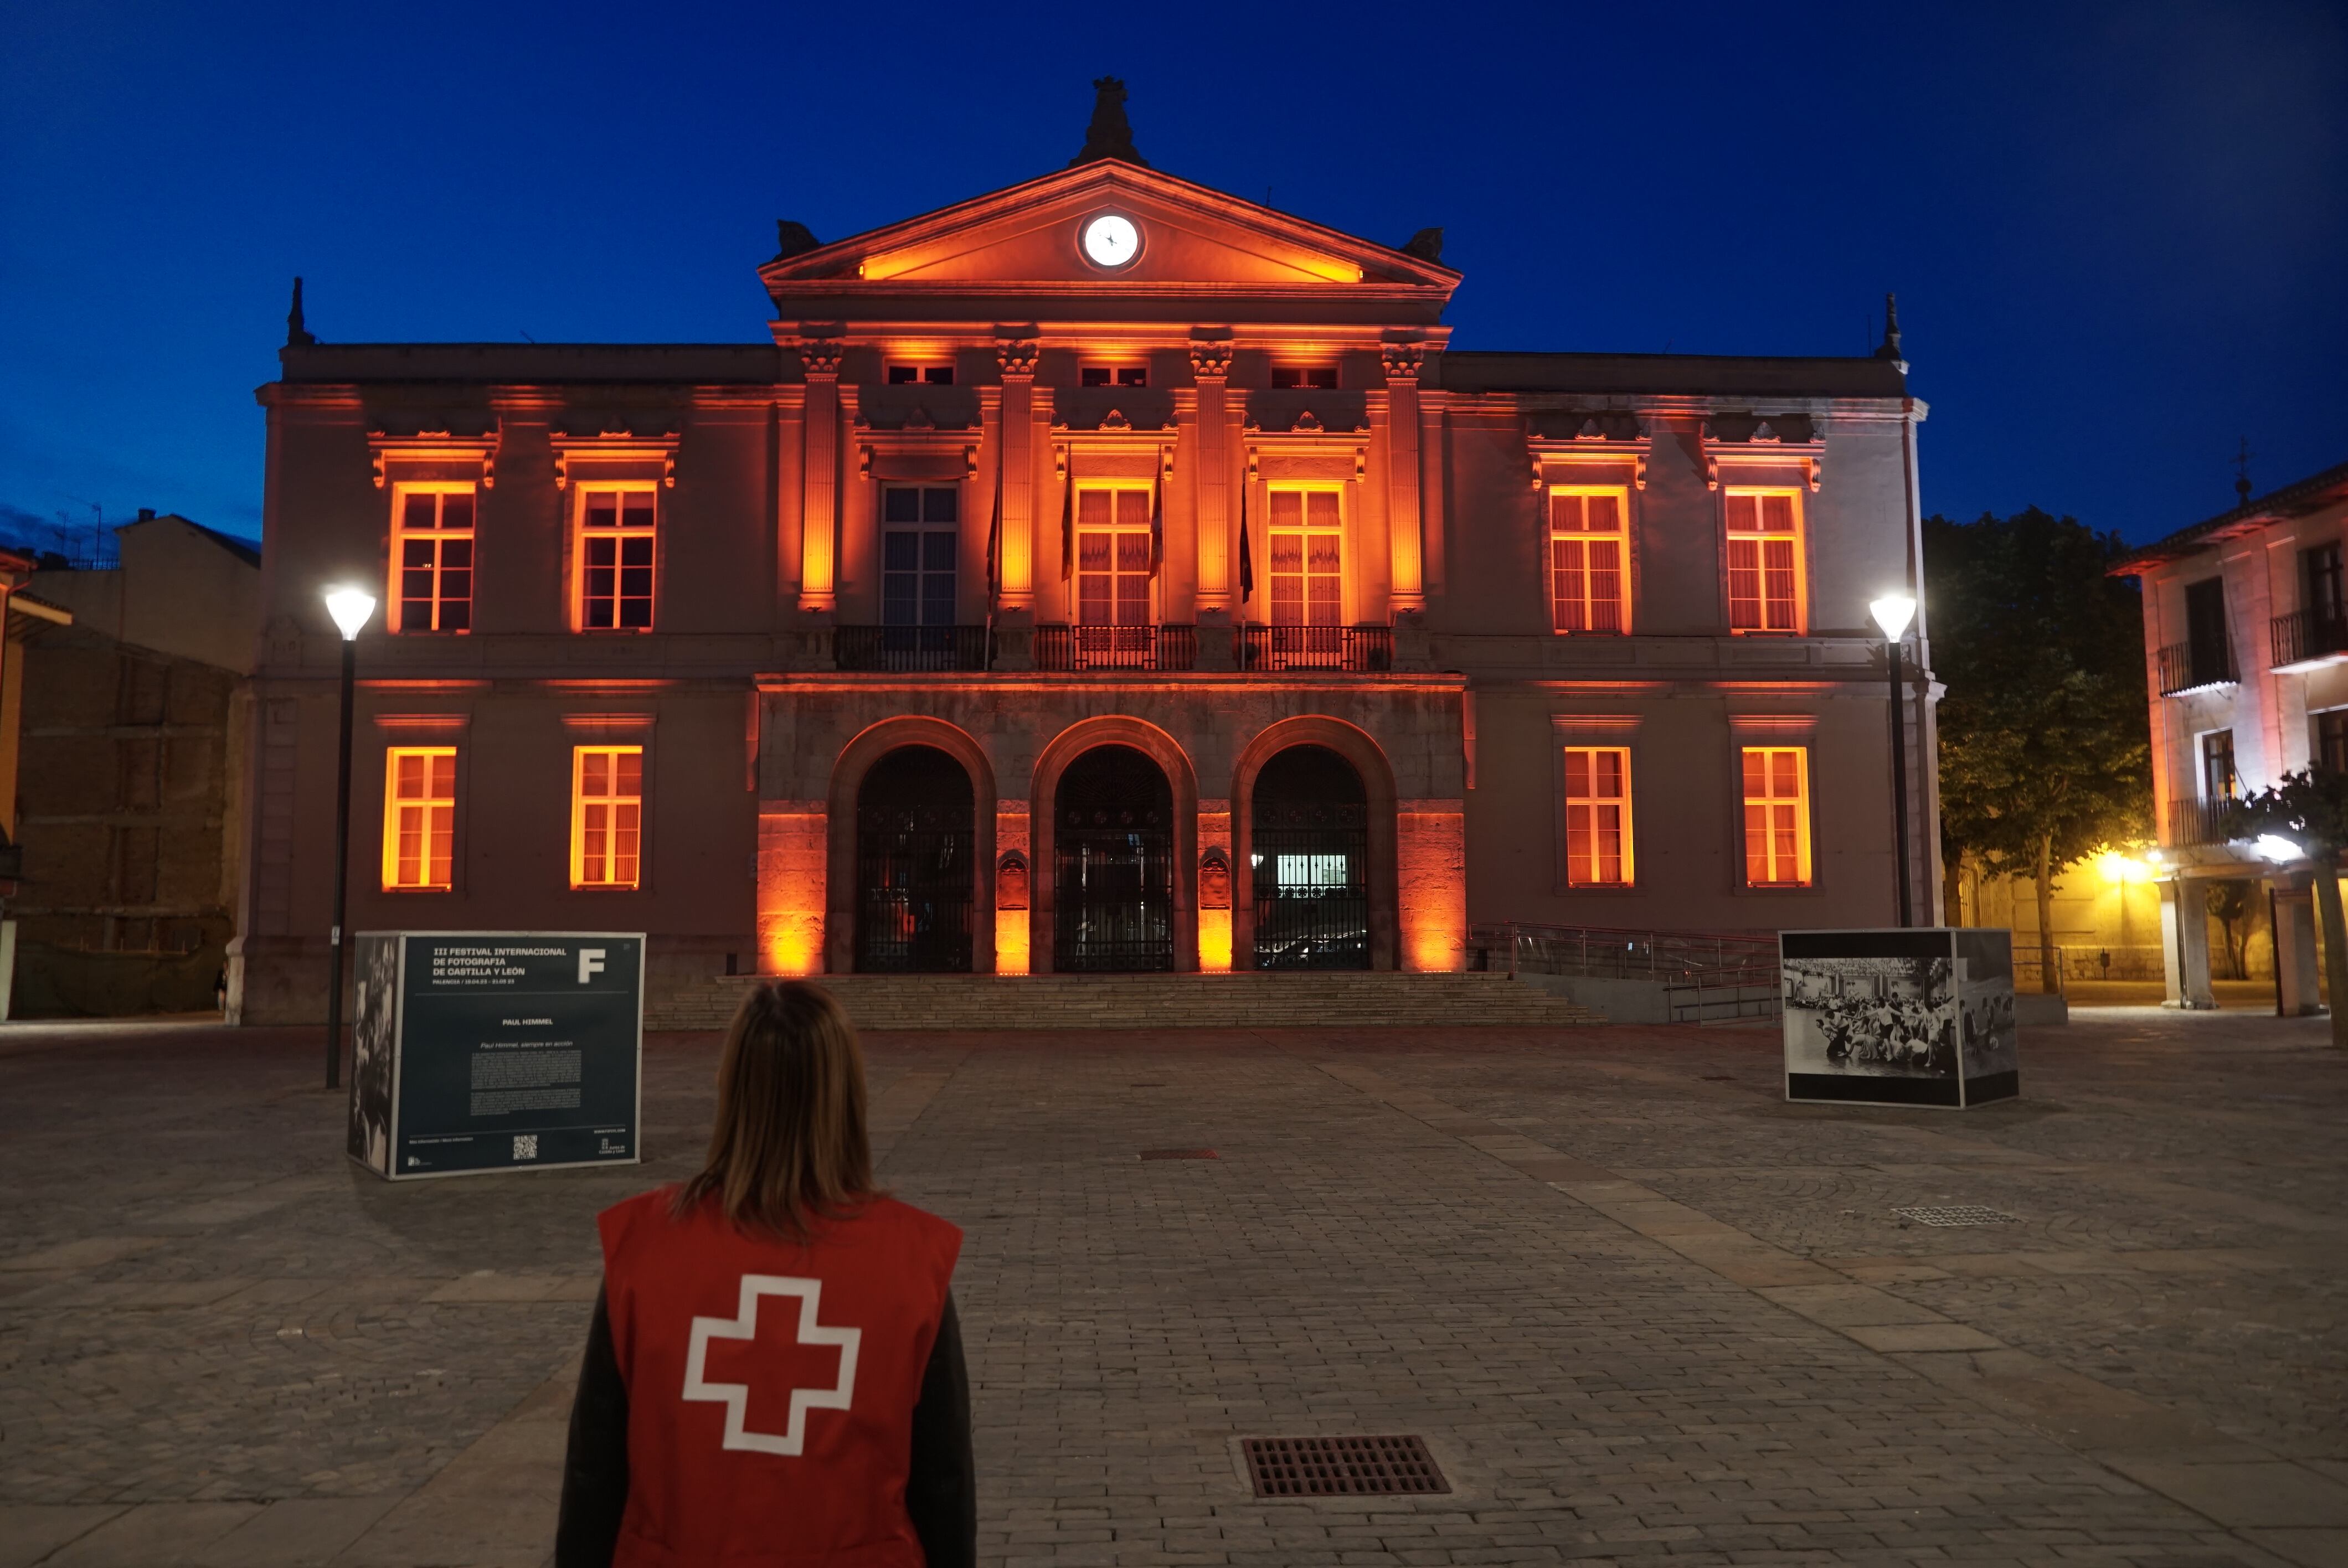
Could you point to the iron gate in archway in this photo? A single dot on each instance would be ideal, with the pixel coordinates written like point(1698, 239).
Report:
point(914, 840)
point(1113, 853)
point(1310, 857)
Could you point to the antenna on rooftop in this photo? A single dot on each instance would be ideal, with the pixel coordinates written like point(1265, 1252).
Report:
point(2243, 473)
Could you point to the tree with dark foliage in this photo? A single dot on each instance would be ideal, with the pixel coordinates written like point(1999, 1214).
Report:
point(2309, 808)
point(2045, 751)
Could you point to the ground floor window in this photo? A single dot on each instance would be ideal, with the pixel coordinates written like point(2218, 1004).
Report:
point(419, 817)
point(607, 808)
point(1776, 816)
point(1598, 816)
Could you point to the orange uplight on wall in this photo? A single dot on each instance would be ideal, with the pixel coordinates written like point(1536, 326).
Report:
point(791, 853)
point(1431, 856)
point(1011, 943)
point(1215, 941)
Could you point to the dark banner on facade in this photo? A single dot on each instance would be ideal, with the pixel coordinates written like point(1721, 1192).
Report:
point(1898, 1017)
point(496, 1050)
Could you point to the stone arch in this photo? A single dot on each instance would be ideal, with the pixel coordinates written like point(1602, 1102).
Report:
point(856, 760)
point(1368, 758)
point(1113, 730)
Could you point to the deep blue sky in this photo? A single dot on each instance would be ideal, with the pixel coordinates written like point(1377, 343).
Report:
point(2117, 230)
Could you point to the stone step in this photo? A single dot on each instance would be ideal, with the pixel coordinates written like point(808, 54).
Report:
point(1310, 1000)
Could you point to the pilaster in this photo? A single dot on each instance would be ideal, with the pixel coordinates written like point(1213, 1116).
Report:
point(1403, 363)
point(820, 479)
point(1016, 357)
point(1211, 365)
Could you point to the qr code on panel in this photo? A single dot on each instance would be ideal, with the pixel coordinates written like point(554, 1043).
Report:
point(525, 1146)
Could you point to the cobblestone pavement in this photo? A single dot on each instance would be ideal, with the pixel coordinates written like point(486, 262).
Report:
point(1642, 1310)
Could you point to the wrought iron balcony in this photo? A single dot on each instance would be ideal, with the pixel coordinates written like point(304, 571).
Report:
point(2195, 667)
point(2192, 822)
point(901, 649)
point(1116, 646)
point(1355, 649)
point(2306, 638)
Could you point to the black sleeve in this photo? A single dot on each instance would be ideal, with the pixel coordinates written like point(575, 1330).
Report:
point(595, 1470)
point(942, 1491)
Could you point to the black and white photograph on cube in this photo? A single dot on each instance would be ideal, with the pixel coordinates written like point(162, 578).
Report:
point(375, 1014)
point(1871, 1017)
point(1990, 1062)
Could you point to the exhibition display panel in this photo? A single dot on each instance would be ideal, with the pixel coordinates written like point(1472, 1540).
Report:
point(1899, 1017)
point(496, 1050)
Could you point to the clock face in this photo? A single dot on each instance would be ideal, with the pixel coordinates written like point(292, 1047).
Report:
point(1111, 241)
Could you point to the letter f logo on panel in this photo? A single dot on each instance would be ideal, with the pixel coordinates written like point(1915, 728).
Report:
point(591, 963)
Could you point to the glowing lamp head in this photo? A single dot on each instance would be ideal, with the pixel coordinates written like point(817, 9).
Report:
point(1892, 613)
point(2274, 846)
point(1111, 239)
point(350, 607)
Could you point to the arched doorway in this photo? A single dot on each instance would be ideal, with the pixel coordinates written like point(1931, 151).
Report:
point(1113, 876)
point(915, 838)
point(1309, 849)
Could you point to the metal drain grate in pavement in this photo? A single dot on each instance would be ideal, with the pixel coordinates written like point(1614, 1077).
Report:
point(1957, 1214)
point(1342, 1466)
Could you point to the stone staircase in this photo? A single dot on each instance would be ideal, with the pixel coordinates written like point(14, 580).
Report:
point(1306, 999)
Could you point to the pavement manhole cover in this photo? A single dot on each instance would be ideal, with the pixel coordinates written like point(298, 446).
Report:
point(1342, 1466)
point(1179, 1154)
point(1957, 1214)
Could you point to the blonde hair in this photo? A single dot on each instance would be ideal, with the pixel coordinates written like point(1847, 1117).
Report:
point(789, 1146)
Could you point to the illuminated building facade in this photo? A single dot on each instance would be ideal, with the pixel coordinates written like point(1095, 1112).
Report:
point(1106, 573)
point(2246, 657)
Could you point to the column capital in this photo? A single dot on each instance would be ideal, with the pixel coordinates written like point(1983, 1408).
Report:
point(1210, 358)
point(821, 357)
point(1403, 362)
point(1016, 357)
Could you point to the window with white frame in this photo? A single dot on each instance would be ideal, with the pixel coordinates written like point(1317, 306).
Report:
point(920, 539)
point(1306, 546)
point(1598, 849)
point(1765, 560)
point(432, 558)
point(1776, 816)
point(1587, 559)
point(1112, 554)
point(617, 535)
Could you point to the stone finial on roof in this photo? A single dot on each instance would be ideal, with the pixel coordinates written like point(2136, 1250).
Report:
point(793, 238)
point(296, 334)
point(1890, 348)
point(1426, 245)
point(1110, 135)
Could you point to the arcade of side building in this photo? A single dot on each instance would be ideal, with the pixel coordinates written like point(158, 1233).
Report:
point(1055, 595)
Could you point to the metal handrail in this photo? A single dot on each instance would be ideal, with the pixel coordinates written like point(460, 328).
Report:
point(1601, 951)
point(2195, 667)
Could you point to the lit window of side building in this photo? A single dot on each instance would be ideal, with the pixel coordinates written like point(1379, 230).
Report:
point(2246, 659)
point(1177, 598)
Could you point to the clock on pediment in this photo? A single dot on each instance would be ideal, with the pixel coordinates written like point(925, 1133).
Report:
point(1110, 240)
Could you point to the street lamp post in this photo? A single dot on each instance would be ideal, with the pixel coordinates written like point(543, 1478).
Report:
point(350, 607)
point(1892, 613)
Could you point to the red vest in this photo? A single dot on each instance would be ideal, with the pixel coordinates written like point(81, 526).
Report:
point(771, 1386)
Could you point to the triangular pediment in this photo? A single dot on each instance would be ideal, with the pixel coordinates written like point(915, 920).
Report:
point(1026, 240)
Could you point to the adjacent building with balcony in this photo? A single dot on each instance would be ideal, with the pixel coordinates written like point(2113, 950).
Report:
point(1106, 573)
point(2246, 638)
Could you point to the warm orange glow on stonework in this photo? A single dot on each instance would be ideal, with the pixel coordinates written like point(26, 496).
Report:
point(791, 853)
point(1215, 941)
point(1431, 858)
point(1215, 925)
point(1011, 934)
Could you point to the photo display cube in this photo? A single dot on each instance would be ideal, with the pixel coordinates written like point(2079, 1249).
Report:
point(496, 1050)
point(1901, 1017)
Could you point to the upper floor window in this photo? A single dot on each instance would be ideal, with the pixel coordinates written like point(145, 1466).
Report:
point(1586, 560)
point(921, 375)
point(1113, 567)
point(920, 536)
point(616, 537)
point(1598, 816)
point(1307, 556)
point(1114, 374)
point(1765, 560)
point(607, 806)
point(1776, 816)
point(2321, 584)
point(432, 556)
point(2218, 780)
point(2332, 741)
point(419, 817)
point(1323, 376)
